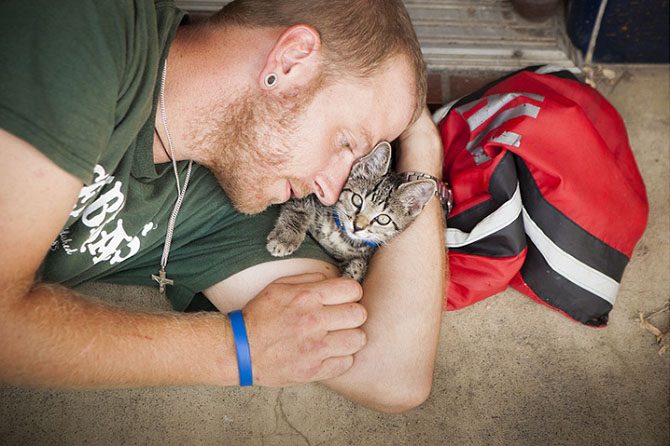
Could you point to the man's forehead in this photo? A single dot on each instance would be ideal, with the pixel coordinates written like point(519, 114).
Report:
point(377, 107)
point(388, 123)
point(396, 90)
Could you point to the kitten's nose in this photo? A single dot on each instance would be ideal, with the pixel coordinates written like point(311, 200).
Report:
point(361, 222)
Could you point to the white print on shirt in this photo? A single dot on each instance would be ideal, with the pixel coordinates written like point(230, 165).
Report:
point(100, 179)
point(64, 242)
point(148, 227)
point(98, 212)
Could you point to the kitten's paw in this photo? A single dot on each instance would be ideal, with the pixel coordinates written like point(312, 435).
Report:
point(278, 249)
point(355, 269)
point(283, 245)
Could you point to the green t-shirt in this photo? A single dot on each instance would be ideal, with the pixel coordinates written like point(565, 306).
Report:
point(79, 81)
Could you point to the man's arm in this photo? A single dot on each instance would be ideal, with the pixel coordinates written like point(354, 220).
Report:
point(403, 293)
point(53, 337)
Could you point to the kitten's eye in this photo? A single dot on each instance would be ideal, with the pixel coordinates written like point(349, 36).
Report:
point(383, 219)
point(357, 200)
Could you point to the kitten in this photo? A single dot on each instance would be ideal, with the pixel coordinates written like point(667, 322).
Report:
point(374, 206)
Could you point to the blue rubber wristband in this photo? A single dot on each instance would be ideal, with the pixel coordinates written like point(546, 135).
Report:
point(242, 348)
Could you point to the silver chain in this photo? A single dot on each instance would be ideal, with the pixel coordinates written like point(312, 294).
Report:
point(181, 191)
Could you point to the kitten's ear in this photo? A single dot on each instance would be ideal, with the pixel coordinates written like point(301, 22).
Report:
point(375, 164)
point(415, 194)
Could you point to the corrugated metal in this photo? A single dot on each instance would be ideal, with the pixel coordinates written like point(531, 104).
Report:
point(472, 34)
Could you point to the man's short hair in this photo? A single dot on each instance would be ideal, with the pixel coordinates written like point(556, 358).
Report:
point(358, 36)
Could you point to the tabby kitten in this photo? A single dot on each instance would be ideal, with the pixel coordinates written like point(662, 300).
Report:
point(374, 206)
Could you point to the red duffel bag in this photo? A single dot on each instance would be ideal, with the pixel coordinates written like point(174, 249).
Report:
point(547, 195)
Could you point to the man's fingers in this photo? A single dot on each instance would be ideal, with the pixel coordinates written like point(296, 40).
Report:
point(342, 317)
point(345, 342)
point(332, 291)
point(301, 278)
point(334, 367)
point(339, 291)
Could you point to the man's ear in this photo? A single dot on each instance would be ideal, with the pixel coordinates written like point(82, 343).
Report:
point(295, 58)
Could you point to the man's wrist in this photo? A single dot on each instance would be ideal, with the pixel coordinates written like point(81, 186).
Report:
point(220, 344)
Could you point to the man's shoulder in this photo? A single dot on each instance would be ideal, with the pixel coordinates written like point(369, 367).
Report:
point(74, 70)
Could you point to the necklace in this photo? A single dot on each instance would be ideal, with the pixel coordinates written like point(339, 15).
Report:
point(162, 278)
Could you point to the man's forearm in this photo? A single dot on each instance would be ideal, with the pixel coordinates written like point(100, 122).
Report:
point(54, 337)
point(403, 294)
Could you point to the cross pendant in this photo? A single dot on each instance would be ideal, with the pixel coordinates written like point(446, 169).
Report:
point(162, 280)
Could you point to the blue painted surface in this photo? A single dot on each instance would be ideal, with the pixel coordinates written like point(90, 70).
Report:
point(632, 31)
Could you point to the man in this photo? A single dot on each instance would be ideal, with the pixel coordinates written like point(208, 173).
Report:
point(276, 99)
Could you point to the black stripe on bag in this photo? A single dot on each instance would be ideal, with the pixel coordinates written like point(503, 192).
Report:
point(561, 293)
point(565, 233)
point(502, 186)
point(507, 242)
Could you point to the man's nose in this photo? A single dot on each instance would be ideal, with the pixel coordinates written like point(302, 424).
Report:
point(329, 184)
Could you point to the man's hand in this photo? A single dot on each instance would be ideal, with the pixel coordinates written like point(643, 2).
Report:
point(304, 328)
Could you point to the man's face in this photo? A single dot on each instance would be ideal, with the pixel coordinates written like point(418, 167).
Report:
point(265, 149)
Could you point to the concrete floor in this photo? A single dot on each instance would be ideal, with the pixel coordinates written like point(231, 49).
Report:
point(510, 371)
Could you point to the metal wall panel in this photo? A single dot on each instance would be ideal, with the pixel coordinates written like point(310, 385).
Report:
point(472, 34)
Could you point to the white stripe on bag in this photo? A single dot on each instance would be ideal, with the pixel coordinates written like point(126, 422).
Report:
point(568, 266)
point(494, 104)
point(528, 110)
point(548, 69)
point(441, 112)
point(499, 219)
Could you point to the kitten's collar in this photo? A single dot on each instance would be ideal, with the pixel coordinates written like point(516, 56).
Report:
point(341, 227)
point(443, 191)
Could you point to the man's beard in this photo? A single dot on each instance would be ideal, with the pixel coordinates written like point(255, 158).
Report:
point(250, 143)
